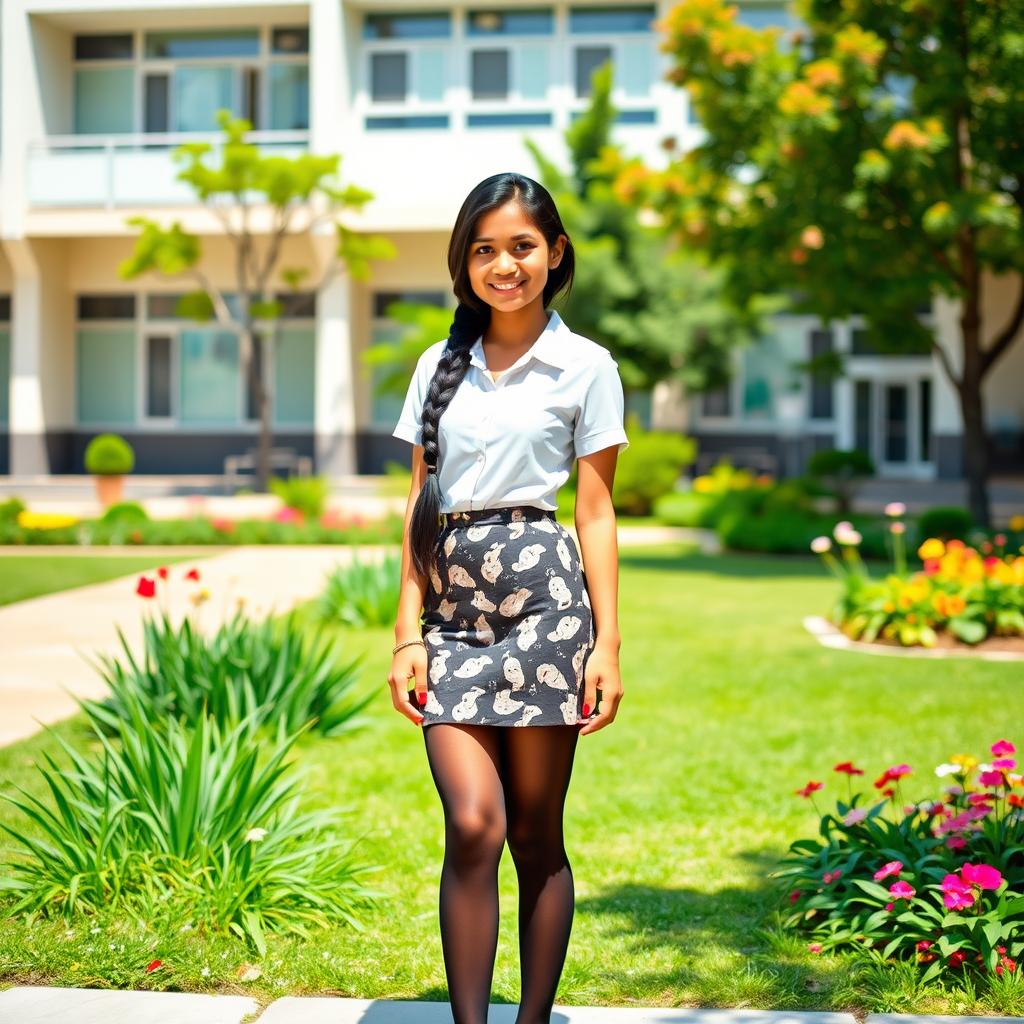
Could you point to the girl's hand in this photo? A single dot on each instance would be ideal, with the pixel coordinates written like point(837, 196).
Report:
point(409, 661)
point(601, 673)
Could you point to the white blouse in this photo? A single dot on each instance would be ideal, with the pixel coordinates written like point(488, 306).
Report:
point(513, 441)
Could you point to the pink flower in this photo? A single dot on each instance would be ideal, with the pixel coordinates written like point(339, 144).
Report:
point(991, 778)
point(889, 906)
point(955, 894)
point(830, 876)
point(902, 890)
point(814, 947)
point(1005, 763)
point(984, 876)
point(922, 945)
point(894, 867)
point(956, 842)
point(854, 815)
point(1001, 747)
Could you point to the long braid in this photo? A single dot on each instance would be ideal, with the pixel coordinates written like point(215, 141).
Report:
point(468, 325)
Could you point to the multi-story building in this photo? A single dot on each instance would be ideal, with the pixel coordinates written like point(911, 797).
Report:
point(422, 100)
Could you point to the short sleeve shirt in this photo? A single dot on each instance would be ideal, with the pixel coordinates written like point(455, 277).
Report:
point(513, 442)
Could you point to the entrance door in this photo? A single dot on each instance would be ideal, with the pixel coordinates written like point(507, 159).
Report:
point(892, 423)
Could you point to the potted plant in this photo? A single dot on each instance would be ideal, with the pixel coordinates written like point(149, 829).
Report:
point(107, 458)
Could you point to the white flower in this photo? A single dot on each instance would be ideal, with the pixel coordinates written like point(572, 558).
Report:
point(895, 508)
point(821, 544)
point(205, 972)
point(841, 528)
point(848, 537)
point(947, 769)
point(986, 768)
point(254, 835)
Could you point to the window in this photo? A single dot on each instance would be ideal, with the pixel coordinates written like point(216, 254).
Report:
point(106, 307)
point(539, 21)
point(158, 375)
point(862, 345)
point(767, 368)
point(924, 418)
point(186, 76)
point(588, 60)
point(766, 15)
point(862, 413)
point(388, 76)
point(105, 357)
point(717, 402)
point(407, 26)
point(821, 383)
point(612, 19)
point(490, 74)
point(294, 375)
point(629, 43)
point(5, 359)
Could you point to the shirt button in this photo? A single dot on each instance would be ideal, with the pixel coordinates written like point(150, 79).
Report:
point(480, 457)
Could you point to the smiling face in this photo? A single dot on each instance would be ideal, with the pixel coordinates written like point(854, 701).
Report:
point(507, 248)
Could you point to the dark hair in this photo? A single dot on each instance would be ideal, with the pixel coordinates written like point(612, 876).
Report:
point(472, 315)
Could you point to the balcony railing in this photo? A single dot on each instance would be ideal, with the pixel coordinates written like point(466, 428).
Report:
point(126, 170)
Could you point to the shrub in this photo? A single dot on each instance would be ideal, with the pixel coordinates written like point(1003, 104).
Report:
point(945, 522)
point(839, 469)
point(362, 593)
point(125, 512)
point(265, 672)
point(937, 882)
point(109, 455)
point(171, 822)
point(648, 468)
point(305, 494)
point(10, 510)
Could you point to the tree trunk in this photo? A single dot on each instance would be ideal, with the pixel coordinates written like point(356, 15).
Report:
point(262, 406)
point(972, 411)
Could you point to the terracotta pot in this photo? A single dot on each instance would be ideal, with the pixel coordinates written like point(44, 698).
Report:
point(109, 489)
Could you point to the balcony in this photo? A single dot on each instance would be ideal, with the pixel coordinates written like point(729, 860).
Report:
point(126, 170)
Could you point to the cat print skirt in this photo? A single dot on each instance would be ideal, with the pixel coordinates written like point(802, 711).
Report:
point(506, 620)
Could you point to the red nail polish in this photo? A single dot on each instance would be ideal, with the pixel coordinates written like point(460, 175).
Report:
point(586, 710)
point(422, 698)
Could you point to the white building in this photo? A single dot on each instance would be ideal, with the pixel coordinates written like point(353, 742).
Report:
point(422, 101)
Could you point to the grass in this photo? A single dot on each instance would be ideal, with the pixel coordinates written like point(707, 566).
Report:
point(676, 814)
point(25, 576)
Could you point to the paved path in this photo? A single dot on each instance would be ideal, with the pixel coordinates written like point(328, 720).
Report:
point(51, 641)
point(93, 1006)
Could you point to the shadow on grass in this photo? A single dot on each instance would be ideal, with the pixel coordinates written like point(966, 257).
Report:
point(727, 958)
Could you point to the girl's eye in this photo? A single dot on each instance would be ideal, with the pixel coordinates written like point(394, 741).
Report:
point(483, 247)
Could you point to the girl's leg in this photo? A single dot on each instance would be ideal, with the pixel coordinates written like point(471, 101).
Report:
point(539, 764)
point(465, 763)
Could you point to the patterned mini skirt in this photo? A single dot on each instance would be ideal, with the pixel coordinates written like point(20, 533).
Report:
point(506, 620)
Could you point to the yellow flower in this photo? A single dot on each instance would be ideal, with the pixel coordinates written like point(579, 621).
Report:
point(44, 520)
point(931, 548)
point(965, 761)
point(1017, 523)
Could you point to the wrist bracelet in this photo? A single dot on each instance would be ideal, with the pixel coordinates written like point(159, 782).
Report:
point(398, 647)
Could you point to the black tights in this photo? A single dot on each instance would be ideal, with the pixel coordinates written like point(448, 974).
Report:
point(498, 782)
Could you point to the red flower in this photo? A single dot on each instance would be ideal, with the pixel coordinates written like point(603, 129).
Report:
point(153, 965)
point(794, 896)
point(957, 958)
point(146, 587)
point(847, 768)
point(923, 944)
point(192, 574)
point(162, 572)
point(892, 774)
point(811, 787)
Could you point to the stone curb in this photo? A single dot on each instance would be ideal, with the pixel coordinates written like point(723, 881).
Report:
point(828, 635)
point(40, 1005)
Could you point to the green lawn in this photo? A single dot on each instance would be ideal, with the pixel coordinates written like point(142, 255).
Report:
point(676, 813)
point(25, 576)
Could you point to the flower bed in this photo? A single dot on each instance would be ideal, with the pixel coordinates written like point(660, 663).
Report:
point(939, 882)
point(960, 595)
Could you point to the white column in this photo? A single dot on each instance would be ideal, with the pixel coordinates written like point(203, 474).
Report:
point(27, 425)
point(335, 420)
point(843, 412)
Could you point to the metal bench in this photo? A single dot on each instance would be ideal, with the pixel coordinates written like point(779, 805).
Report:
point(279, 458)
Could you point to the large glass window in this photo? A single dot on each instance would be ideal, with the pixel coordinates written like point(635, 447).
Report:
point(612, 19)
point(106, 374)
point(294, 376)
point(103, 100)
point(588, 60)
point(768, 370)
point(489, 74)
point(184, 77)
point(537, 21)
point(420, 25)
point(821, 383)
point(5, 375)
point(209, 377)
point(389, 80)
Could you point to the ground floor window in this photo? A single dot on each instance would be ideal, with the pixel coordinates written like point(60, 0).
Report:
point(140, 364)
point(5, 360)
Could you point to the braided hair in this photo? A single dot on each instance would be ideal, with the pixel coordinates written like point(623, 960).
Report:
point(472, 316)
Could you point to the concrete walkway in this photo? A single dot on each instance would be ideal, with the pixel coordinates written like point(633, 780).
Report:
point(95, 1006)
point(51, 642)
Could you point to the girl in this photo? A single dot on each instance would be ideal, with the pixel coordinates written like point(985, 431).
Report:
point(514, 632)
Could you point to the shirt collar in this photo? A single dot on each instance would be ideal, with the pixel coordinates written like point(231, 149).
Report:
point(551, 347)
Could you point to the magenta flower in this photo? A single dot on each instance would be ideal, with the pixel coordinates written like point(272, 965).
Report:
point(984, 876)
point(956, 842)
point(902, 890)
point(894, 867)
point(1001, 747)
point(955, 894)
point(994, 778)
point(1006, 763)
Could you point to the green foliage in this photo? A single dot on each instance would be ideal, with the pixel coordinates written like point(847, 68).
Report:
point(649, 467)
point(779, 528)
point(839, 469)
point(174, 823)
point(919, 851)
point(306, 494)
point(362, 593)
point(125, 512)
point(10, 510)
point(946, 522)
point(109, 455)
point(264, 672)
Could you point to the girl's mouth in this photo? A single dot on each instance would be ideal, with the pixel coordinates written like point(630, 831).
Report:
point(509, 288)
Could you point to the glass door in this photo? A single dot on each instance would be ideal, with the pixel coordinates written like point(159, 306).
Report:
point(891, 422)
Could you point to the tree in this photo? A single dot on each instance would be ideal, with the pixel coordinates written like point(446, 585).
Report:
point(863, 164)
point(656, 306)
point(260, 199)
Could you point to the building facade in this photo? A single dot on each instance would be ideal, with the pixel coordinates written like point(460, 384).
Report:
point(422, 101)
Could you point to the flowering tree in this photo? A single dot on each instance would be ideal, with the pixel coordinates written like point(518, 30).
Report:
point(865, 167)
